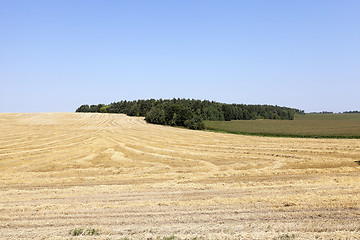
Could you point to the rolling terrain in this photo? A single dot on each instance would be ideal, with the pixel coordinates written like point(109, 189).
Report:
point(126, 178)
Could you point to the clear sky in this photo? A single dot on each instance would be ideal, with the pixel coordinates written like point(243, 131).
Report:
point(57, 55)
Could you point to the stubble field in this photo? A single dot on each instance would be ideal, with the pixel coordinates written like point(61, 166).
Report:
point(128, 179)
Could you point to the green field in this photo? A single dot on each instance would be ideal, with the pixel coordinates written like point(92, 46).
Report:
point(308, 125)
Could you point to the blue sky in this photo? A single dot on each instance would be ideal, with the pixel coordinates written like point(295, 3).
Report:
point(57, 55)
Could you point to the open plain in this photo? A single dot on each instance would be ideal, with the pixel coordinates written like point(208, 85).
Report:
point(129, 179)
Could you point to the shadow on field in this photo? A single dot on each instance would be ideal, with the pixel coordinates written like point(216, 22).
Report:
point(358, 162)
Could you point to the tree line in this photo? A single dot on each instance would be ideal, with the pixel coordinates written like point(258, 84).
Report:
point(190, 112)
point(351, 112)
point(326, 112)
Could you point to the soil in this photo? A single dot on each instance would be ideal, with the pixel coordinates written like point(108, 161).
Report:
point(125, 178)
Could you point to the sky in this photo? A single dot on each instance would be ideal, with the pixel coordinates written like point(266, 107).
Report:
point(57, 55)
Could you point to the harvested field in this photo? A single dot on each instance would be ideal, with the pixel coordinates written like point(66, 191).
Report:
point(126, 178)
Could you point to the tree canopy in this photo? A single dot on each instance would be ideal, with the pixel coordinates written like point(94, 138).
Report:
point(190, 112)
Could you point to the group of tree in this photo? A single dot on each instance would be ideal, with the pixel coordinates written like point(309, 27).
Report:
point(323, 112)
point(190, 113)
point(351, 112)
point(326, 112)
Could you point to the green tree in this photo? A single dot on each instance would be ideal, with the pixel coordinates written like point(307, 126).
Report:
point(83, 108)
point(156, 115)
point(104, 109)
point(195, 123)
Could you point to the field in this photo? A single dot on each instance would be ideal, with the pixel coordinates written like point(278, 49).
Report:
point(308, 125)
point(117, 177)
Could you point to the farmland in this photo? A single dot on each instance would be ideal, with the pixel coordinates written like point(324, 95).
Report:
point(308, 125)
point(117, 177)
